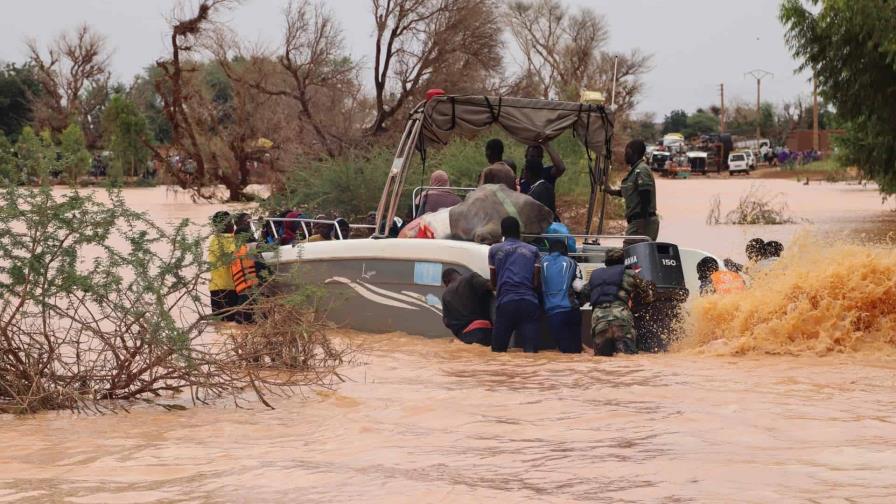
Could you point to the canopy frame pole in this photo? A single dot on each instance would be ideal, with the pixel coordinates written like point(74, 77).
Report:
point(388, 206)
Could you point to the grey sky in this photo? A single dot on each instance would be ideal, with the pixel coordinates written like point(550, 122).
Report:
point(696, 44)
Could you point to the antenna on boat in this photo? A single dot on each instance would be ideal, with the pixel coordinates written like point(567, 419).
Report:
point(613, 94)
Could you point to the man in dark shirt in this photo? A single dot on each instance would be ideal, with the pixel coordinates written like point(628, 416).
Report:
point(516, 275)
point(497, 172)
point(550, 173)
point(542, 191)
point(466, 306)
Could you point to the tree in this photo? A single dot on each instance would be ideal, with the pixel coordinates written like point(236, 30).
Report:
point(675, 122)
point(564, 52)
point(73, 156)
point(850, 48)
point(17, 87)
point(644, 127)
point(74, 81)
point(220, 127)
point(36, 155)
point(312, 68)
point(701, 123)
point(415, 38)
point(144, 96)
point(125, 135)
point(8, 164)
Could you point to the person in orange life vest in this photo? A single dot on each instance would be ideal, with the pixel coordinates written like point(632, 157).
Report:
point(246, 270)
point(715, 281)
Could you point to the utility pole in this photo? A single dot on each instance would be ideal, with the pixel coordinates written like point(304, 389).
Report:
point(815, 139)
point(758, 74)
point(722, 113)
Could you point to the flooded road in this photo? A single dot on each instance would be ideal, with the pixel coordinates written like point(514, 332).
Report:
point(437, 421)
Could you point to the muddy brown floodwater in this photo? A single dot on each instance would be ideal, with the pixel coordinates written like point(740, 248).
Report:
point(436, 421)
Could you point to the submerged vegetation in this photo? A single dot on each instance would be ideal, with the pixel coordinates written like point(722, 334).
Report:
point(100, 305)
point(754, 207)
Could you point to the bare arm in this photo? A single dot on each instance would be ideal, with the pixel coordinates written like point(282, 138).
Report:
point(536, 281)
point(559, 166)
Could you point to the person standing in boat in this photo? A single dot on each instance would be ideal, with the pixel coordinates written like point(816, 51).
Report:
point(497, 172)
point(550, 173)
point(516, 276)
point(638, 189)
point(466, 306)
point(541, 191)
point(612, 290)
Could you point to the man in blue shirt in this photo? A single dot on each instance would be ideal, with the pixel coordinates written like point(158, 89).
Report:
point(561, 278)
point(516, 276)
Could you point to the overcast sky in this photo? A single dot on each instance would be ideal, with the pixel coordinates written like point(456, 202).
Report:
point(696, 44)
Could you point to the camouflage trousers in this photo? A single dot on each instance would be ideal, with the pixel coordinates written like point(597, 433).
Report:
point(613, 330)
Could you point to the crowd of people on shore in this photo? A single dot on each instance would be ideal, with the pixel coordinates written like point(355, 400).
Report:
point(782, 156)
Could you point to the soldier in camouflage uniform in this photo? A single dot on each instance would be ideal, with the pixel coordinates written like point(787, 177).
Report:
point(611, 291)
point(638, 189)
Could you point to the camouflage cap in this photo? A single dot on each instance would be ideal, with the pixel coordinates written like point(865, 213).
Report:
point(616, 254)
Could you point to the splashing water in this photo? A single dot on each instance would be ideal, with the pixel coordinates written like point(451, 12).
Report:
point(819, 298)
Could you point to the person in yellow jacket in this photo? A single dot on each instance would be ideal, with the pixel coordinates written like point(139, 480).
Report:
point(221, 248)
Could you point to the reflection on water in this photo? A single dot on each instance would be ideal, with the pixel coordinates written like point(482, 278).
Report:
point(437, 421)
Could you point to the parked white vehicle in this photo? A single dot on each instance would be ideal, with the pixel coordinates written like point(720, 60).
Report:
point(737, 163)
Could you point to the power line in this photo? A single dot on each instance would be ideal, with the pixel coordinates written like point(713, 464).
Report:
point(759, 74)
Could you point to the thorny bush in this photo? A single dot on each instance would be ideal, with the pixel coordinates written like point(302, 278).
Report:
point(99, 305)
point(754, 207)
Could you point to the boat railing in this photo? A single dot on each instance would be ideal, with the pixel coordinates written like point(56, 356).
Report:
point(418, 191)
point(587, 240)
point(304, 223)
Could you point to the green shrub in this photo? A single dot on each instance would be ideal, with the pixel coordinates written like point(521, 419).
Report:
point(351, 185)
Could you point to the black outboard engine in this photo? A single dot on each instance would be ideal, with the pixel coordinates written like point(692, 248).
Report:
point(659, 263)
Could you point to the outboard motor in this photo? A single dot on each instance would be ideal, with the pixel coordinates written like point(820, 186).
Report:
point(659, 263)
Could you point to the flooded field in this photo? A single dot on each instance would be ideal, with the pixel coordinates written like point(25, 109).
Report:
point(436, 421)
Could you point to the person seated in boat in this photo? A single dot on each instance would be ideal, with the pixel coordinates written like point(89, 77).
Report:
point(221, 247)
point(466, 306)
point(541, 191)
point(705, 268)
point(321, 231)
point(292, 228)
point(716, 281)
point(755, 250)
point(550, 173)
point(561, 280)
point(341, 231)
point(497, 172)
point(515, 269)
point(771, 253)
point(755, 253)
point(438, 196)
point(612, 290)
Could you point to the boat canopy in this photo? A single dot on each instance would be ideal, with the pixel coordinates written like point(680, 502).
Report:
point(528, 121)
